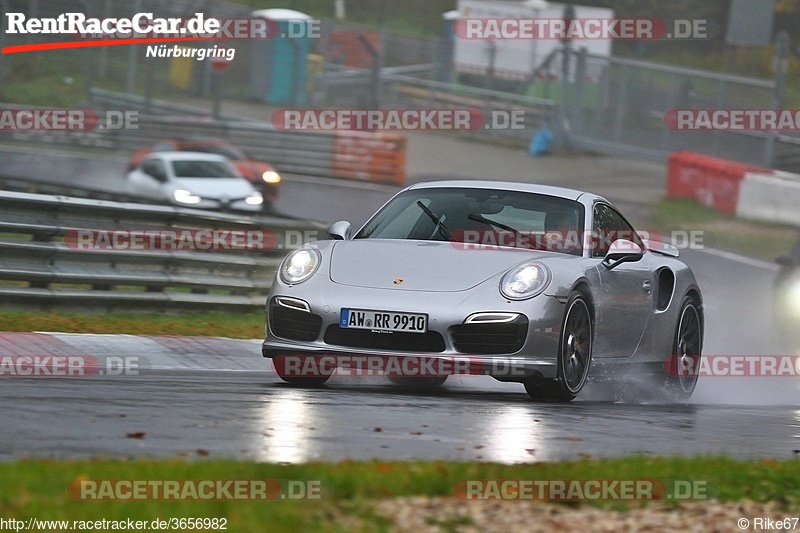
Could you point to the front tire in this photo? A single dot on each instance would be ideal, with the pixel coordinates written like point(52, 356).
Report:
point(687, 348)
point(574, 355)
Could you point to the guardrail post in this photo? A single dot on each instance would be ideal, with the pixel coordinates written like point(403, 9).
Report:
point(148, 89)
point(562, 129)
point(782, 43)
point(622, 103)
point(374, 72)
point(133, 51)
point(576, 106)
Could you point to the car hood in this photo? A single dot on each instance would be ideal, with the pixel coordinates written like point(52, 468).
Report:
point(215, 187)
point(421, 265)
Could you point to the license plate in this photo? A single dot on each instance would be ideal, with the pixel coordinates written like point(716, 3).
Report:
point(385, 321)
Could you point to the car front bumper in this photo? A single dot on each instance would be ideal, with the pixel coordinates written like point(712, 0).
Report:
point(537, 355)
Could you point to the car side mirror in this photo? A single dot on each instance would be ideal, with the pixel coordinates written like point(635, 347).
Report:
point(622, 251)
point(785, 261)
point(156, 174)
point(160, 176)
point(340, 231)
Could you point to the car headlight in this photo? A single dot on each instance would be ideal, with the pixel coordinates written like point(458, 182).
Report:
point(254, 199)
point(270, 176)
point(300, 265)
point(185, 197)
point(524, 281)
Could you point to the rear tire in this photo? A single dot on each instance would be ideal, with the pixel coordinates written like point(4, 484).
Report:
point(687, 347)
point(301, 381)
point(574, 355)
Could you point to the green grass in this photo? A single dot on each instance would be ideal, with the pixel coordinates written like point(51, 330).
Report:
point(212, 324)
point(47, 91)
point(38, 488)
point(755, 239)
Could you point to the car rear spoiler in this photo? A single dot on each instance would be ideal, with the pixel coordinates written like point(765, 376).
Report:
point(662, 248)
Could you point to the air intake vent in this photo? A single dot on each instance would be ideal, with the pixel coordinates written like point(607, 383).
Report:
point(292, 323)
point(490, 338)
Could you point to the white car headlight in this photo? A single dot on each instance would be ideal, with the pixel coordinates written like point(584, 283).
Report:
point(525, 281)
point(254, 199)
point(300, 265)
point(185, 197)
point(270, 176)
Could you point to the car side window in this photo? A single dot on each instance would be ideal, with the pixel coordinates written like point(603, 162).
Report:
point(155, 169)
point(609, 226)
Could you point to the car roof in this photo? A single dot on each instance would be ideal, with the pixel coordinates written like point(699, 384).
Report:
point(186, 156)
point(549, 190)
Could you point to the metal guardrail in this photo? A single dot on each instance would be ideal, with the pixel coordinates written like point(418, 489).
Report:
point(401, 90)
point(43, 266)
point(21, 184)
point(413, 87)
point(369, 156)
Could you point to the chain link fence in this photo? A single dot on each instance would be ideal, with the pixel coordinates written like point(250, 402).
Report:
point(603, 104)
point(619, 105)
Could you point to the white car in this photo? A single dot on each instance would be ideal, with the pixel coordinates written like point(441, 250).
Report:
point(189, 179)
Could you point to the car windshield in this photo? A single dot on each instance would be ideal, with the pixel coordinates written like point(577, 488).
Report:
point(481, 216)
point(202, 169)
point(230, 152)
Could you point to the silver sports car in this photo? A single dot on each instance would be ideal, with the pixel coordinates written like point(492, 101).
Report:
point(525, 283)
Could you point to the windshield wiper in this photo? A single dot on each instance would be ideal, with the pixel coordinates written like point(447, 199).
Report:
point(489, 222)
point(436, 220)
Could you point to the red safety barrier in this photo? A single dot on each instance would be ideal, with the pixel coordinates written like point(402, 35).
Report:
point(707, 180)
point(369, 156)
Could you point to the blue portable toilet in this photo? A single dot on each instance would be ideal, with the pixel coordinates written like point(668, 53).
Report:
point(278, 64)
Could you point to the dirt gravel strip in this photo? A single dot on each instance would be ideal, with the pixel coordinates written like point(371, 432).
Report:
point(425, 514)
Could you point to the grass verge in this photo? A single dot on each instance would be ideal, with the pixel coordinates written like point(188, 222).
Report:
point(754, 239)
point(207, 324)
point(38, 488)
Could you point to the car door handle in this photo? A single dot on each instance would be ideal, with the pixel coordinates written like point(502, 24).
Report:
point(647, 286)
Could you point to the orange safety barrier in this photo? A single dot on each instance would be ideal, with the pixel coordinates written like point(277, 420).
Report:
point(369, 156)
point(707, 180)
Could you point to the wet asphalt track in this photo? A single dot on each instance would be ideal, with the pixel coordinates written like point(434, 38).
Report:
point(226, 401)
point(253, 416)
